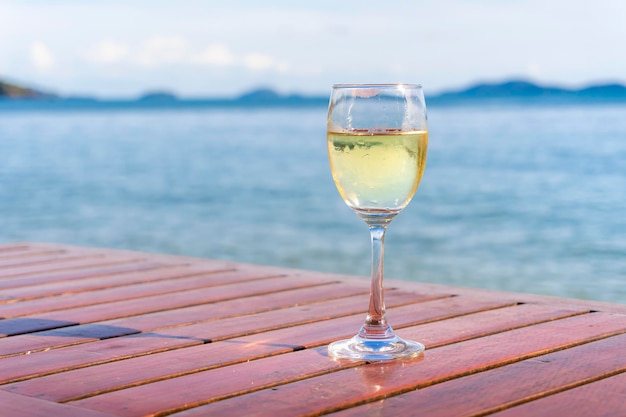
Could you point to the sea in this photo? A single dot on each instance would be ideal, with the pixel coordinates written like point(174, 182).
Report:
point(516, 197)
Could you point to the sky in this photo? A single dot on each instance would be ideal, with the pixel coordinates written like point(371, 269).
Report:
point(215, 48)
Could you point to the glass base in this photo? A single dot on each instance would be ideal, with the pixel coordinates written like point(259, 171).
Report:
point(359, 348)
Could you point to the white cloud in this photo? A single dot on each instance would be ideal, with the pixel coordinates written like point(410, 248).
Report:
point(41, 56)
point(283, 67)
point(108, 52)
point(533, 70)
point(261, 62)
point(199, 42)
point(256, 61)
point(215, 55)
point(161, 50)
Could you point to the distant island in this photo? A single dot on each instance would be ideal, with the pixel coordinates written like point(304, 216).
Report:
point(9, 90)
point(514, 91)
point(523, 90)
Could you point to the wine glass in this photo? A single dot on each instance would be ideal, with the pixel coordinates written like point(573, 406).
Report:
point(377, 144)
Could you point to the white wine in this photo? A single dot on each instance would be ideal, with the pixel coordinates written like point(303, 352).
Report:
point(377, 171)
point(377, 143)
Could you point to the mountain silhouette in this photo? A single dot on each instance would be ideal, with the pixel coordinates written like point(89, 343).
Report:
point(521, 89)
point(11, 90)
point(517, 91)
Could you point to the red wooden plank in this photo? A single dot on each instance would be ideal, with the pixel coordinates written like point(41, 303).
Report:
point(479, 323)
point(260, 374)
point(255, 367)
point(468, 327)
point(29, 253)
point(271, 320)
point(156, 273)
point(604, 398)
point(67, 265)
point(117, 309)
point(166, 396)
point(14, 247)
point(347, 388)
point(48, 259)
point(111, 376)
point(133, 291)
point(14, 405)
point(199, 358)
point(324, 332)
point(238, 306)
point(152, 321)
point(496, 389)
point(211, 386)
point(60, 337)
point(25, 344)
point(96, 271)
point(17, 368)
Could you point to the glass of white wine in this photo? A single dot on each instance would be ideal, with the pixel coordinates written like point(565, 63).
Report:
point(377, 144)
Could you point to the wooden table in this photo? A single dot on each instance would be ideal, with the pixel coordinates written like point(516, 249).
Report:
point(97, 332)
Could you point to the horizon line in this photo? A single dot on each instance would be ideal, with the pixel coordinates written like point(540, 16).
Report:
point(277, 94)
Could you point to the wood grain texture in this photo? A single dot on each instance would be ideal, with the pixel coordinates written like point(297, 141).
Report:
point(68, 300)
point(79, 262)
point(507, 386)
point(99, 332)
point(111, 268)
point(156, 273)
point(149, 304)
point(193, 359)
point(262, 373)
point(14, 405)
point(28, 339)
point(351, 387)
point(15, 368)
point(603, 398)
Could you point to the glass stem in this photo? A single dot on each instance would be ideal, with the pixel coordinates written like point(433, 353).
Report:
point(376, 326)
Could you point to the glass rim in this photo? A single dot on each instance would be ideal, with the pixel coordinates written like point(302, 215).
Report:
point(379, 86)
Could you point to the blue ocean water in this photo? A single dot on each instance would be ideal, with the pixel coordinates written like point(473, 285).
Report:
point(520, 198)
